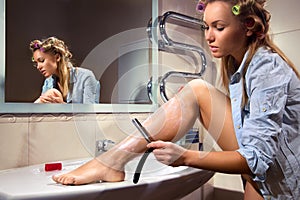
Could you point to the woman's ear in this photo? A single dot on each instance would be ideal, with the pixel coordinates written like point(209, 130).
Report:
point(57, 57)
point(249, 33)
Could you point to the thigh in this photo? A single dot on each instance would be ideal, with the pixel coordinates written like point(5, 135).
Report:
point(251, 193)
point(215, 114)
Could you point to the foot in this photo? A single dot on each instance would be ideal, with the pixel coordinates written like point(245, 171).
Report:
point(90, 172)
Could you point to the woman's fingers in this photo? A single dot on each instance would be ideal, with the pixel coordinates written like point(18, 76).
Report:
point(157, 144)
point(167, 152)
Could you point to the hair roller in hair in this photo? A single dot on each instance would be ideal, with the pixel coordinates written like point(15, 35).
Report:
point(236, 9)
point(200, 7)
point(249, 22)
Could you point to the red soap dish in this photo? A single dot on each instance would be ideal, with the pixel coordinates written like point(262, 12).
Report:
point(53, 166)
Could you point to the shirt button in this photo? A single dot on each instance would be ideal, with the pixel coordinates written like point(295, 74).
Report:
point(234, 99)
point(264, 109)
point(238, 126)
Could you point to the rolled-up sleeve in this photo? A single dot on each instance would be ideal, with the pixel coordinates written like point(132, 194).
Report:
point(266, 87)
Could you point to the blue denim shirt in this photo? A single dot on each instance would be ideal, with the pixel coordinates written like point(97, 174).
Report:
point(86, 88)
point(268, 127)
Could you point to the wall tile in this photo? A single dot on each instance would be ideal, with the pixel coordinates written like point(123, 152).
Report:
point(60, 137)
point(13, 141)
point(285, 15)
point(289, 43)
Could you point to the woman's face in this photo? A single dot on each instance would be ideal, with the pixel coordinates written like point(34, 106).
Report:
point(224, 32)
point(46, 63)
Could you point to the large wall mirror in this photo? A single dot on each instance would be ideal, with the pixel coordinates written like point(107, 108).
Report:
point(108, 37)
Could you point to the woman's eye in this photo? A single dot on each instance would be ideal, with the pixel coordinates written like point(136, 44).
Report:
point(204, 27)
point(220, 28)
point(41, 60)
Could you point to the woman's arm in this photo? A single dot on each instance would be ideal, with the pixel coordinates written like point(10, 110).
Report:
point(222, 161)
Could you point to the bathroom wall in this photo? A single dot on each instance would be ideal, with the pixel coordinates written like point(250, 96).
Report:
point(39, 138)
point(285, 25)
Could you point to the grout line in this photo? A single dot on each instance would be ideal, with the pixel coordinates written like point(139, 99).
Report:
point(287, 31)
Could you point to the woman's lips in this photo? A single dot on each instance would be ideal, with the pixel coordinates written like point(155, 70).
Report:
point(213, 49)
point(43, 72)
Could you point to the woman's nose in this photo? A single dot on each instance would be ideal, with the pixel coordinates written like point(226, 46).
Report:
point(209, 36)
point(38, 66)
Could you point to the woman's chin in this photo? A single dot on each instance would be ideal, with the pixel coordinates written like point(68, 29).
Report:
point(216, 55)
point(46, 75)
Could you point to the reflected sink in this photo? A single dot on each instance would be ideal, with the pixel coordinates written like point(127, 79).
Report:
point(157, 181)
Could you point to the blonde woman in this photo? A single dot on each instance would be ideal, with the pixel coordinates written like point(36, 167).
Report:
point(64, 83)
point(257, 125)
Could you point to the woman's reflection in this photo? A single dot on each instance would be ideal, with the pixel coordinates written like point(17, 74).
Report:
point(64, 83)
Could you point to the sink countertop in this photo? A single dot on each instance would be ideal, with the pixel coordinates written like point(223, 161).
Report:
point(33, 182)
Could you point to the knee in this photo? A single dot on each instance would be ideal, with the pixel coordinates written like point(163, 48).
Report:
point(199, 87)
point(197, 82)
point(194, 92)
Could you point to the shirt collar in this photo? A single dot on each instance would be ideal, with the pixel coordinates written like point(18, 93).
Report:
point(236, 77)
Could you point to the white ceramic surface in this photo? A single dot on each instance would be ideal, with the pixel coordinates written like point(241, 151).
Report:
point(156, 181)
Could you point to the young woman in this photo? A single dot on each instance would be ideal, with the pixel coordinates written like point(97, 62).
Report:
point(64, 83)
point(257, 125)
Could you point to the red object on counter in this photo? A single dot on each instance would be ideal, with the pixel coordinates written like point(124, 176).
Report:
point(53, 166)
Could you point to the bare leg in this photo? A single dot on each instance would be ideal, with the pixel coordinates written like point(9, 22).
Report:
point(215, 114)
point(168, 123)
point(108, 166)
point(251, 193)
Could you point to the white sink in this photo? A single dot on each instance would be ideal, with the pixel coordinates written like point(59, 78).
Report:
point(157, 181)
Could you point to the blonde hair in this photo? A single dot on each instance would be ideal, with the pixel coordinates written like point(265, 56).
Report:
point(256, 18)
point(55, 46)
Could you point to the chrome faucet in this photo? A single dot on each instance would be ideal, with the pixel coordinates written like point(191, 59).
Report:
point(103, 146)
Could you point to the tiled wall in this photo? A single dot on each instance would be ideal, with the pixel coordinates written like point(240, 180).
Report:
point(35, 139)
point(285, 25)
point(13, 141)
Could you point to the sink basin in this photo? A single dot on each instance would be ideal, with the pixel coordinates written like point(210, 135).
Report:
point(157, 181)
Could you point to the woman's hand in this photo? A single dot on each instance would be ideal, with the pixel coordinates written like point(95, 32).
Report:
point(168, 153)
point(51, 96)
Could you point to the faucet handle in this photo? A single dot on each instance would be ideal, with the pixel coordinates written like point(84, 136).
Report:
point(103, 146)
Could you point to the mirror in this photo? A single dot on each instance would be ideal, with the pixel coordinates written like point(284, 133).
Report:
point(108, 37)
